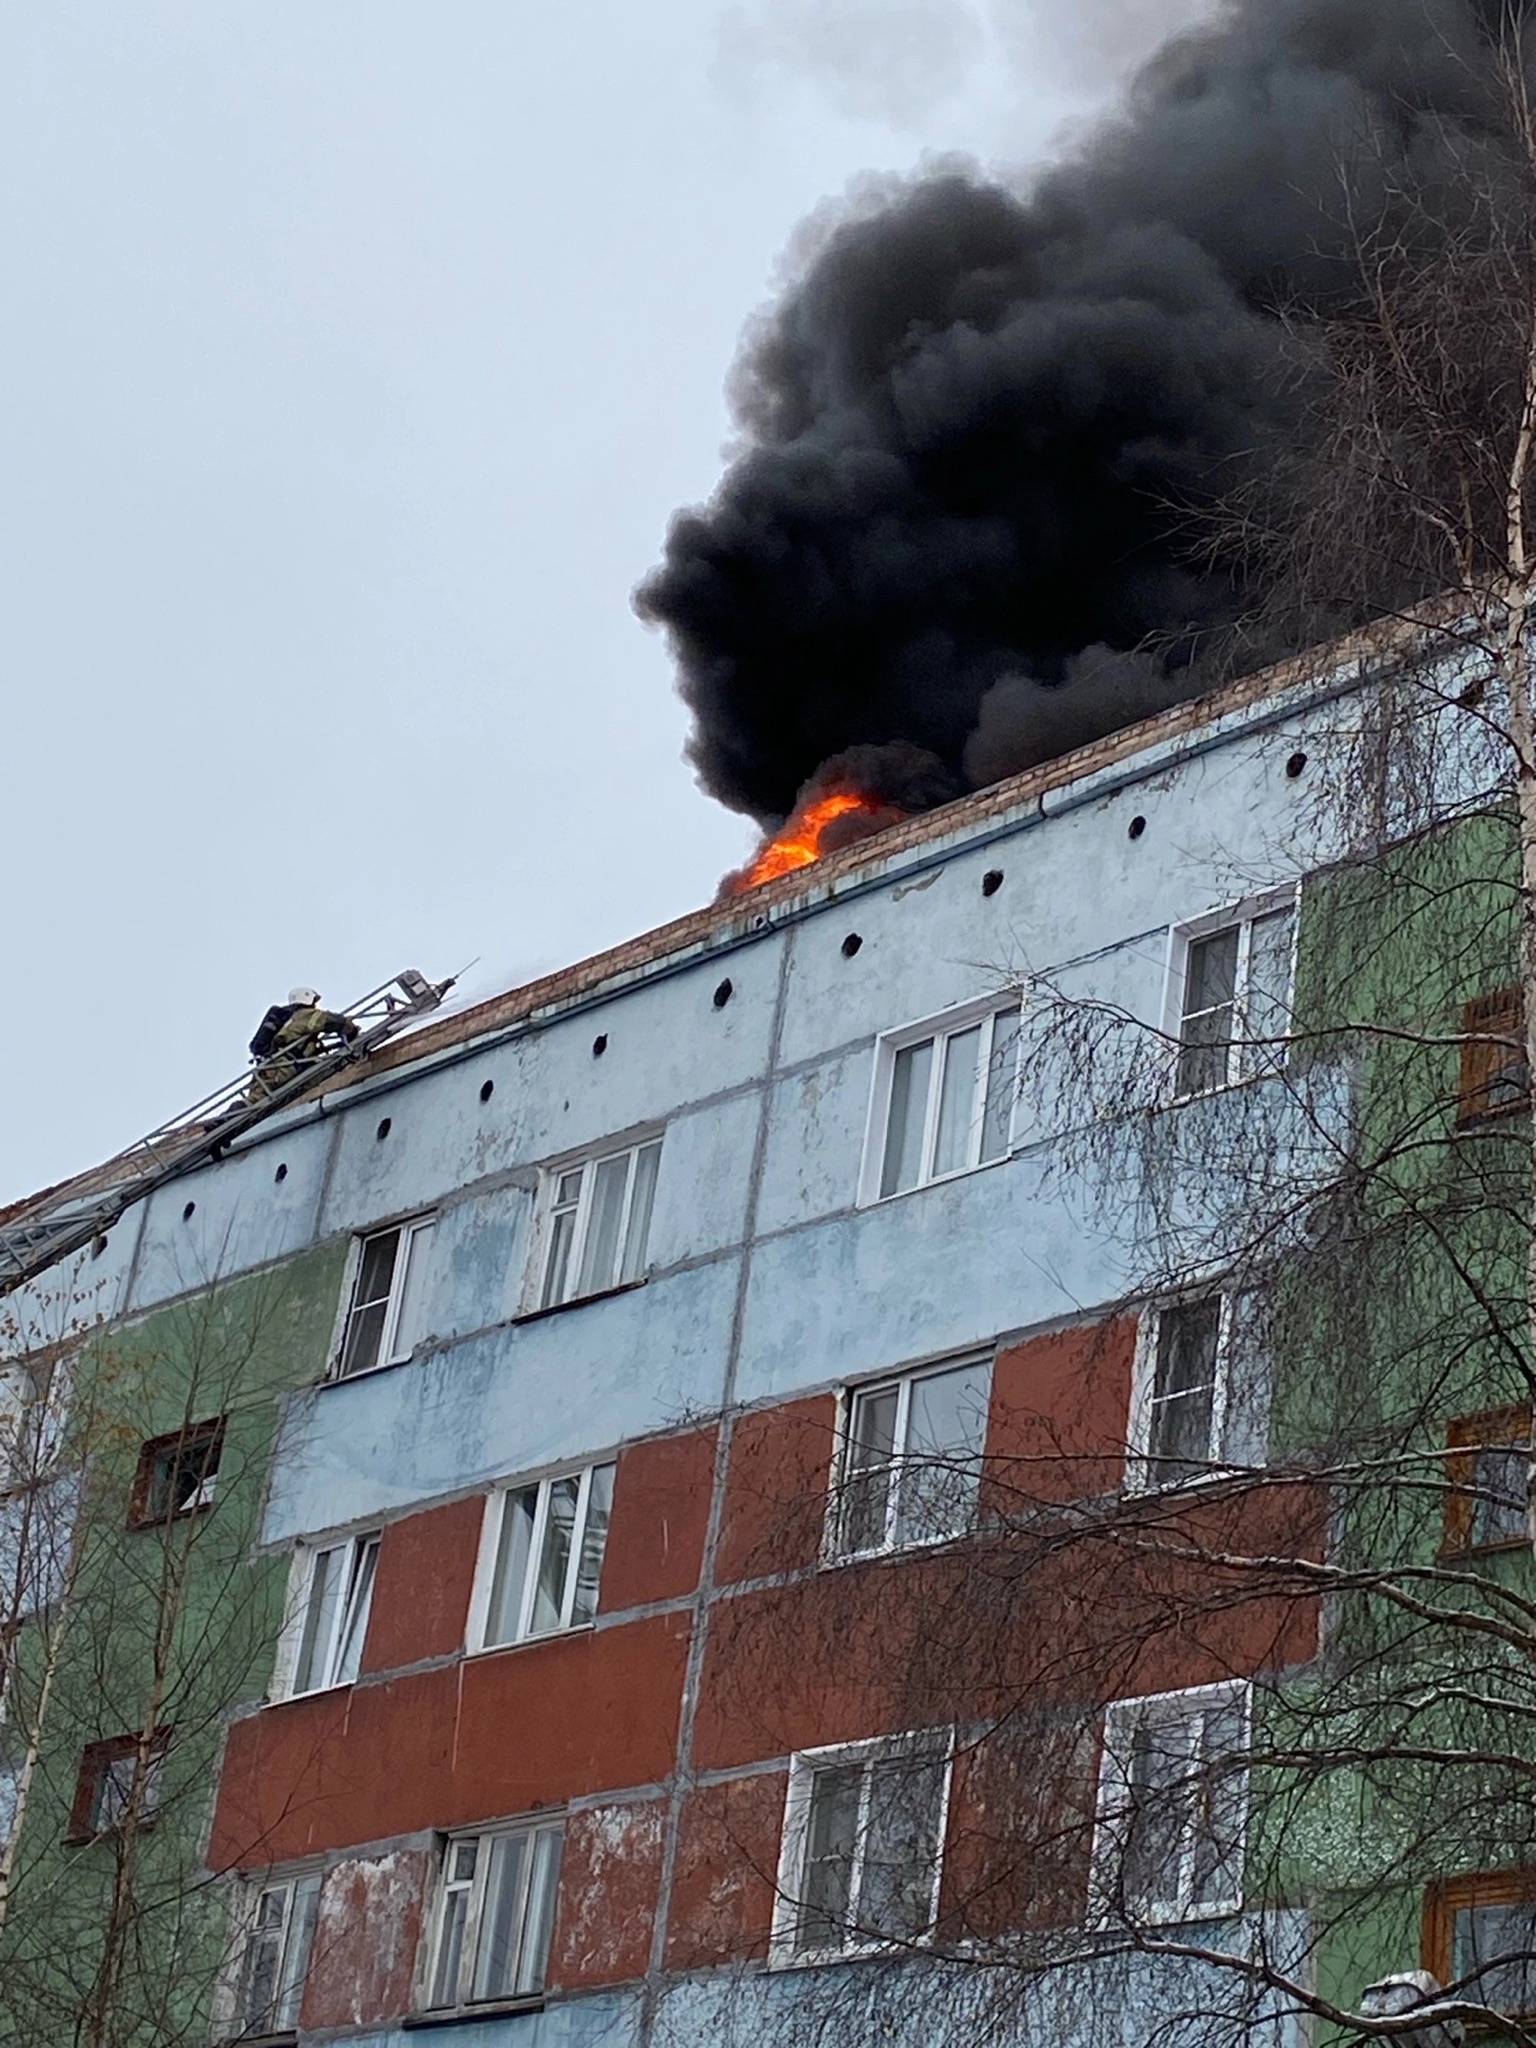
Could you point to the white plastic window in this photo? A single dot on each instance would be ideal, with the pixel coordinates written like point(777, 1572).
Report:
point(1232, 996)
point(333, 1617)
point(280, 1929)
point(1173, 1802)
point(385, 1321)
point(597, 1220)
point(944, 1099)
point(495, 1912)
point(548, 1560)
point(1200, 1409)
point(863, 1848)
point(910, 1459)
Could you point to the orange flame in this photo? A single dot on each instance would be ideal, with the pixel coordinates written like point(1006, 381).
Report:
point(799, 842)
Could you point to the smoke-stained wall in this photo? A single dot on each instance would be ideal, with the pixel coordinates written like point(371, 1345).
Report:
point(976, 425)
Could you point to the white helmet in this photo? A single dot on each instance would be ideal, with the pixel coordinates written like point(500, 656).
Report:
point(304, 998)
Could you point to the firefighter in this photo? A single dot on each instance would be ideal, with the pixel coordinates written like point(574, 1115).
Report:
point(290, 1037)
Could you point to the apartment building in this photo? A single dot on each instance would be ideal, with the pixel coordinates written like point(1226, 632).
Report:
point(695, 1518)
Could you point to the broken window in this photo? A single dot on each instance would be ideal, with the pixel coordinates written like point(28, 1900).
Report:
point(1233, 990)
point(176, 1473)
point(945, 1097)
point(280, 1915)
point(1173, 1802)
point(1488, 1469)
point(550, 1540)
point(385, 1321)
point(1495, 1078)
point(494, 1915)
point(596, 1223)
point(118, 1776)
point(910, 1460)
point(335, 1598)
point(1200, 1405)
point(862, 1848)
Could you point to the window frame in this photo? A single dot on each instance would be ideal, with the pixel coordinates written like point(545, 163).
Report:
point(1241, 916)
point(889, 1045)
point(492, 1523)
point(238, 2024)
point(1113, 1814)
point(1140, 1463)
point(532, 1825)
point(1492, 1428)
point(835, 1550)
point(1492, 1045)
point(176, 1443)
point(407, 1229)
point(794, 1841)
point(96, 1761)
point(548, 1208)
point(301, 1588)
point(1448, 1896)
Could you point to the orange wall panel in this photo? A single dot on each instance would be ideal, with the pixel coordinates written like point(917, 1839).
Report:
point(610, 1879)
point(660, 1514)
point(421, 1593)
point(362, 1962)
point(726, 1873)
point(776, 1491)
point(1058, 1423)
point(497, 1735)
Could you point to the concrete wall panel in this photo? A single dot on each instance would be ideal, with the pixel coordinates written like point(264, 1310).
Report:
point(243, 1216)
point(557, 1388)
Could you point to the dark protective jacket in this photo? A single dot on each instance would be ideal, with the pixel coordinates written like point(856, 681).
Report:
point(269, 1027)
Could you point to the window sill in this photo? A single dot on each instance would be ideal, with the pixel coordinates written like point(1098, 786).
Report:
point(465, 2015)
point(288, 2039)
point(136, 1524)
point(315, 1692)
point(559, 1308)
point(941, 1180)
point(333, 1378)
point(1489, 1119)
point(1469, 1553)
point(1182, 1099)
point(838, 1560)
point(550, 1635)
point(854, 1952)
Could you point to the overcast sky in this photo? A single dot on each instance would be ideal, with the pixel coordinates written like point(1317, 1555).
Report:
point(355, 353)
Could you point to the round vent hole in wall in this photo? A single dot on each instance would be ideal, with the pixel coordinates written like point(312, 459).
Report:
point(991, 881)
point(1295, 766)
point(723, 994)
point(189, 1212)
point(599, 1045)
point(385, 1127)
point(1135, 828)
point(281, 1174)
point(851, 945)
point(487, 1090)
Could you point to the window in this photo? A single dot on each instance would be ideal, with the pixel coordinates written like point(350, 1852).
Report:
point(117, 1777)
point(548, 1559)
point(1480, 1939)
point(495, 1910)
point(911, 1459)
point(384, 1322)
point(1232, 990)
point(1173, 1797)
point(1201, 1382)
point(176, 1474)
point(863, 1844)
point(280, 1927)
point(1488, 1470)
point(597, 1217)
point(1495, 1079)
point(332, 1619)
point(944, 1099)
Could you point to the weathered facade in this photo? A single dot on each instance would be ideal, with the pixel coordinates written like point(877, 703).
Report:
point(690, 1626)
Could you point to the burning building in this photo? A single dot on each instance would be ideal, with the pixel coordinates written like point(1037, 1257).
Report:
point(692, 1511)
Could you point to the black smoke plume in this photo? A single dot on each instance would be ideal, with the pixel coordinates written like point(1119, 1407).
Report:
point(978, 430)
